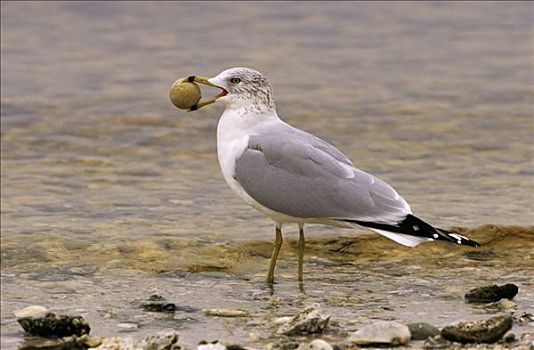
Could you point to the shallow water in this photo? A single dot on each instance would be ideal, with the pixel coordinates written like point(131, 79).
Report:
point(110, 194)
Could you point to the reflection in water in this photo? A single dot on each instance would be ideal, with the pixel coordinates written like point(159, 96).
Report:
point(110, 194)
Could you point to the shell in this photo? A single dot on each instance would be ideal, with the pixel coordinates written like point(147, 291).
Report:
point(184, 94)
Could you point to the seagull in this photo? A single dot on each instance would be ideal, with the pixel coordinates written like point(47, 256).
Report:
point(294, 177)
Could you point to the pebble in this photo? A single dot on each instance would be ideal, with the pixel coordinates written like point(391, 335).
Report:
point(225, 313)
point(127, 326)
point(157, 303)
point(215, 345)
point(488, 331)
point(162, 341)
point(117, 343)
point(309, 321)
point(422, 330)
point(31, 311)
point(383, 333)
point(509, 338)
point(524, 319)
point(505, 304)
point(53, 325)
point(319, 344)
point(283, 344)
point(492, 293)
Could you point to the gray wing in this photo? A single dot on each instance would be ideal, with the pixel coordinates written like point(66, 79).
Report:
point(298, 174)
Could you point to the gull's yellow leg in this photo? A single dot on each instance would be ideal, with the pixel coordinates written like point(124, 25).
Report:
point(301, 251)
point(276, 250)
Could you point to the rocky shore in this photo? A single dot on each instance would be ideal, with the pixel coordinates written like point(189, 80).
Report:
point(303, 331)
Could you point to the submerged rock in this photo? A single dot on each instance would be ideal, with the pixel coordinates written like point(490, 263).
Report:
point(53, 325)
point(309, 321)
point(381, 333)
point(422, 330)
point(492, 293)
point(488, 331)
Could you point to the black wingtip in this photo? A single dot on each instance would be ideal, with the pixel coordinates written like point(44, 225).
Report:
point(459, 239)
point(413, 226)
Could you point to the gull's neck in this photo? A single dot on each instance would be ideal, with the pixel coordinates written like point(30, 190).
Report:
point(240, 120)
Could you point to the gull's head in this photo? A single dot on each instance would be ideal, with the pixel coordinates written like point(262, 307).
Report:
point(242, 88)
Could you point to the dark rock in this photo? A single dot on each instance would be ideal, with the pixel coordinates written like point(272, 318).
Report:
point(157, 303)
point(492, 293)
point(235, 347)
point(422, 330)
point(509, 338)
point(488, 331)
point(53, 325)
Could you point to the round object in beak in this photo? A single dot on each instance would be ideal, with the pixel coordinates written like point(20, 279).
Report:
point(185, 94)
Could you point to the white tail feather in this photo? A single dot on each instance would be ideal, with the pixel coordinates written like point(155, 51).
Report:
point(406, 240)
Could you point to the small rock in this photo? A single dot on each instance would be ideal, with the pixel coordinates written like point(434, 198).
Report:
point(319, 344)
point(31, 311)
point(509, 338)
point(505, 304)
point(236, 347)
point(524, 319)
point(225, 313)
point(127, 327)
point(157, 303)
point(383, 332)
point(437, 343)
point(164, 341)
point(283, 344)
point(422, 330)
point(117, 343)
point(488, 331)
point(215, 345)
point(71, 343)
point(53, 325)
point(492, 293)
point(311, 320)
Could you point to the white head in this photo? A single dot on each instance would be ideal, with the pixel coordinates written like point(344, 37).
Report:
point(245, 89)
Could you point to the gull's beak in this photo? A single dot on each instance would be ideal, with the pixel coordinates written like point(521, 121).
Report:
point(204, 80)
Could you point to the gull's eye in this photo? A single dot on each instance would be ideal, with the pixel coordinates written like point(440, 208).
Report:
point(235, 80)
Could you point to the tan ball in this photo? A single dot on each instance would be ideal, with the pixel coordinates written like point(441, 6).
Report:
point(184, 94)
